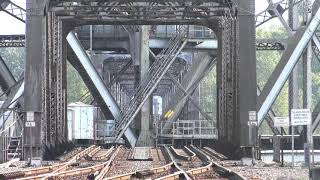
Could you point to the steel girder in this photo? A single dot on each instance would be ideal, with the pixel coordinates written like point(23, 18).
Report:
point(285, 66)
point(190, 82)
point(6, 78)
point(12, 40)
point(126, 11)
point(274, 10)
point(277, 12)
point(271, 44)
point(97, 83)
point(261, 44)
point(193, 101)
point(13, 10)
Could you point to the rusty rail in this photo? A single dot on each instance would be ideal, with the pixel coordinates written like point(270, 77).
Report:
point(177, 175)
point(215, 153)
point(106, 168)
point(191, 154)
point(30, 172)
point(143, 172)
point(46, 172)
point(93, 152)
point(104, 155)
point(75, 159)
point(178, 155)
point(213, 165)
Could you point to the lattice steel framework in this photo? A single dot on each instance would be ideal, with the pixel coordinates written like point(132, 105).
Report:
point(269, 13)
point(227, 81)
point(13, 9)
point(81, 12)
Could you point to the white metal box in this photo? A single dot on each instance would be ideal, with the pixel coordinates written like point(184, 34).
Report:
point(81, 121)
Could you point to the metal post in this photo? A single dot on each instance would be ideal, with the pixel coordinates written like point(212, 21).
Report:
point(307, 82)
point(281, 146)
point(91, 40)
point(292, 144)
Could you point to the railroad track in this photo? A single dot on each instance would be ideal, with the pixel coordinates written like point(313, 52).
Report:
point(213, 170)
point(96, 170)
point(186, 158)
point(160, 166)
point(65, 169)
point(40, 170)
point(210, 169)
point(114, 164)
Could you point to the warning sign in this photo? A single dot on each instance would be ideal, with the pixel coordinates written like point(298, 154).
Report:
point(300, 117)
point(281, 122)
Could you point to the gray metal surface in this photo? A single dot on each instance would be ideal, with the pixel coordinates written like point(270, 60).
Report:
point(190, 82)
point(290, 58)
point(34, 70)
point(6, 78)
point(245, 79)
point(98, 82)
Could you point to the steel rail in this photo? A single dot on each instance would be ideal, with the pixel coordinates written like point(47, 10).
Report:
point(30, 172)
point(93, 152)
point(104, 155)
point(214, 154)
point(106, 168)
point(47, 172)
point(87, 170)
point(176, 175)
point(212, 165)
point(152, 171)
point(179, 155)
point(190, 152)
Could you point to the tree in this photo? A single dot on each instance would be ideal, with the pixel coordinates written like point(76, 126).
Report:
point(75, 85)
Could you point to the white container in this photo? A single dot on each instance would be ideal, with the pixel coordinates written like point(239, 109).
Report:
point(80, 121)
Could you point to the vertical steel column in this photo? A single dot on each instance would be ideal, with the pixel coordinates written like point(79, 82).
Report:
point(236, 78)
point(247, 70)
point(6, 78)
point(145, 134)
point(307, 75)
point(35, 56)
point(293, 81)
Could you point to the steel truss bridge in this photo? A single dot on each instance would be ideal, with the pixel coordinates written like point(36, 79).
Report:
point(61, 27)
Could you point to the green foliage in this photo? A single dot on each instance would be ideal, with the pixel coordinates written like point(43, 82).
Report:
point(208, 93)
point(75, 85)
point(266, 63)
point(14, 59)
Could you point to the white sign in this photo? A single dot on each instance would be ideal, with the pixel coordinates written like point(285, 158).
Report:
point(252, 115)
point(30, 116)
point(30, 124)
point(300, 117)
point(281, 122)
point(252, 123)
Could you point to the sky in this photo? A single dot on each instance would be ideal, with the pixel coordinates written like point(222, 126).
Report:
point(10, 25)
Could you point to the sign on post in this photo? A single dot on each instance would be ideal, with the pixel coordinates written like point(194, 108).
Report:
point(281, 122)
point(30, 124)
point(30, 119)
point(252, 118)
point(300, 117)
point(252, 115)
